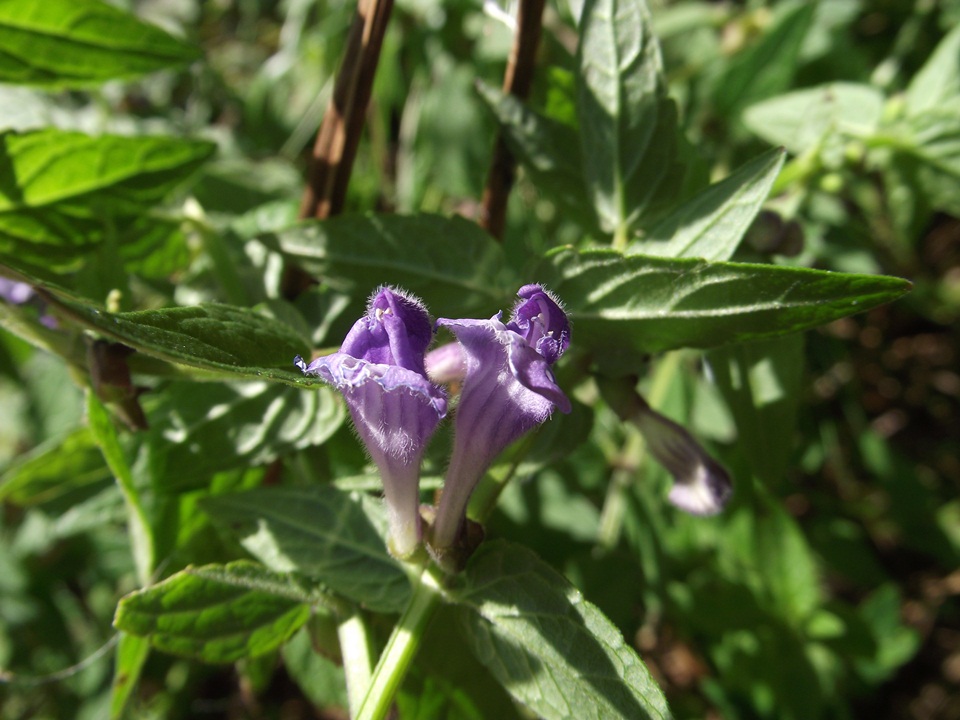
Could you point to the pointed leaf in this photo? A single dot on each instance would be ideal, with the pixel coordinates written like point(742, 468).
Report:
point(78, 43)
point(938, 81)
point(218, 613)
point(627, 124)
point(625, 306)
point(551, 649)
point(448, 262)
point(230, 341)
point(712, 224)
point(335, 537)
point(766, 67)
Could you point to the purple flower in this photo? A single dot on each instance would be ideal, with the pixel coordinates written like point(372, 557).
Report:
point(508, 389)
point(395, 408)
point(21, 293)
point(700, 485)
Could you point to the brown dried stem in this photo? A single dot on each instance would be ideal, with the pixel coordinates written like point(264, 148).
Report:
point(339, 134)
point(516, 82)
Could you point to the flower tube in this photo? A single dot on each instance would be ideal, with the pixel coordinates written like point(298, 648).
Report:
point(508, 389)
point(395, 408)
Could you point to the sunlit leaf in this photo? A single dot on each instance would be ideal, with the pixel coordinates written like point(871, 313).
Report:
point(627, 123)
point(712, 224)
point(625, 306)
point(551, 649)
point(78, 43)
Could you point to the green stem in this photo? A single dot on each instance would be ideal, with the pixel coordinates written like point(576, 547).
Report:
point(357, 658)
point(621, 238)
point(401, 648)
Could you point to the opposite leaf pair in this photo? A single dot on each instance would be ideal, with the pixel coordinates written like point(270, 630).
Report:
point(507, 389)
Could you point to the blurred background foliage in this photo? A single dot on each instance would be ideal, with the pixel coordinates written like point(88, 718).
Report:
point(829, 589)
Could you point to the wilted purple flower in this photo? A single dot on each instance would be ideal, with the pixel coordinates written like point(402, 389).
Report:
point(700, 485)
point(395, 408)
point(508, 389)
point(21, 293)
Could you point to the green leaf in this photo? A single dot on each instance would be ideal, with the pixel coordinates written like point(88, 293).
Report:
point(932, 140)
point(197, 430)
point(319, 678)
point(801, 119)
point(626, 306)
point(766, 67)
point(786, 564)
point(141, 535)
point(54, 468)
point(450, 263)
point(132, 653)
point(49, 166)
point(544, 147)
point(79, 43)
point(712, 224)
point(552, 650)
point(218, 613)
point(335, 537)
point(234, 342)
point(938, 81)
point(627, 124)
point(761, 382)
point(63, 192)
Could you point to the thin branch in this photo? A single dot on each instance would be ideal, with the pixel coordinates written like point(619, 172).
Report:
point(516, 82)
point(339, 134)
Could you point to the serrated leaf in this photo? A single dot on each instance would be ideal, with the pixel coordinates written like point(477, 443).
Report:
point(627, 124)
point(449, 262)
point(197, 430)
point(335, 537)
point(545, 148)
point(552, 650)
point(230, 341)
point(217, 613)
point(79, 43)
point(625, 306)
point(712, 224)
point(799, 120)
point(938, 81)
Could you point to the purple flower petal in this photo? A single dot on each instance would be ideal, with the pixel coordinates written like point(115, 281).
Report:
point(508, 390)
point(395, 408)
